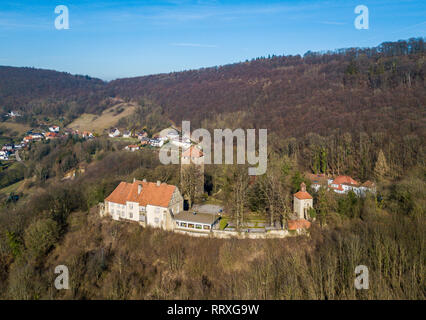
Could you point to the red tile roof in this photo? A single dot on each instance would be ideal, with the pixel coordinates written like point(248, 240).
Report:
point(303, 195)
point(298, 224)
point(51, 135)
point(193, 152)
point(368, 184)
point(151, 193)
point(345, 180)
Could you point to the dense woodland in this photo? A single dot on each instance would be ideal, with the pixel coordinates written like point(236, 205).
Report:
point(356, 89)
point(46, 93)
point(359, 112)
point(56, 222)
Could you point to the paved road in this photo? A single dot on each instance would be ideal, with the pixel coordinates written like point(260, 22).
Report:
point(18, 158)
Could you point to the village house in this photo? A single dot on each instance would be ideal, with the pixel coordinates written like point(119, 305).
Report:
point(156, 143)
point(51, 135)
point(142, 135)
point(172, 135)
point(8, 147)
point(127, 134)
point(54, 129)
point(13, 114)
point(87, 135)
point(193, 155)
point(36, 136)
point(132, 147)
point(144, 141)
point(341, 184)
point(113, 133)
point(4, 154)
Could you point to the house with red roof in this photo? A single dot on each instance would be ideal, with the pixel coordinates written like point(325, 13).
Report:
point(149, 203)
point(51, 135)
point(341, 184)
point(87, 135)
point(132, 147)
point(344, 184)
point(298, 224)
point(193, 155)
point(54, 129)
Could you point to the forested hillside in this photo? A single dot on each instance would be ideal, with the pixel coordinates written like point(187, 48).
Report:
point(340, 107)
point(355, 89)
point(48, 93)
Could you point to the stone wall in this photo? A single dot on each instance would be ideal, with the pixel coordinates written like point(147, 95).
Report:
point(273, 234)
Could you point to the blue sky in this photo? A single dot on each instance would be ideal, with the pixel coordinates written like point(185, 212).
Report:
point(115, 39)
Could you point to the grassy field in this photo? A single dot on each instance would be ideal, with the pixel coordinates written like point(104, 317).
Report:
point(127, 140)
point(12, 188)
point(107, 119)
point(20, 128)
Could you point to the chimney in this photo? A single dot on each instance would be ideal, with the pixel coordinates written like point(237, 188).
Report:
point(303, 187)
point(134, 179)
point(139, 189)
point(158, 183)
point(144, 180)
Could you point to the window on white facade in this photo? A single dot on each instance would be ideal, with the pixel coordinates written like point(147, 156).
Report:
point(131, 215)
point(156, 220)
